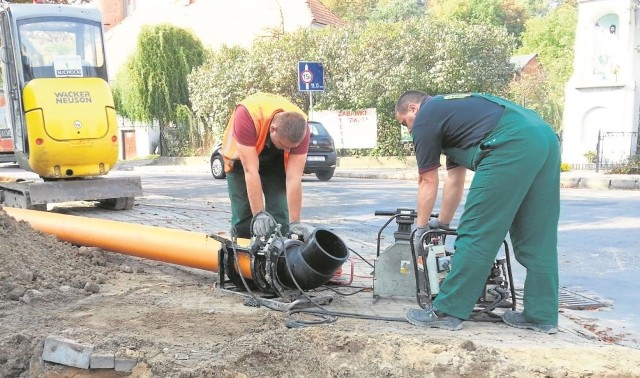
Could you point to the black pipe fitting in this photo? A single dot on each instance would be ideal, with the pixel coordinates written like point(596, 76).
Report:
point(312, 263)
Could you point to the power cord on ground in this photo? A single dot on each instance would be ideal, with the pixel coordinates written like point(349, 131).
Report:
point(325, 316)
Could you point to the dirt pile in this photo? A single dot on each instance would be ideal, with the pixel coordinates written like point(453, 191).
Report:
point(37, 270)
point(177, 323)
point(36, 266)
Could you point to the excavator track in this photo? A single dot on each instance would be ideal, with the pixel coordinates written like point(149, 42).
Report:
point(35, 195)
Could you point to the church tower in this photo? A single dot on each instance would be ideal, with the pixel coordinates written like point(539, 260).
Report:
point(602, 97)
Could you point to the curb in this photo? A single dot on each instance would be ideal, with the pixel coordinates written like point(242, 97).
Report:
point(380, 174)
point(600, 183)
point(569, 180)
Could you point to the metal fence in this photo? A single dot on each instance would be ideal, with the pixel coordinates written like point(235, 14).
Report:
point(616, 149)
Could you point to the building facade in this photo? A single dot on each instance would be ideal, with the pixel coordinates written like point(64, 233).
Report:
point(602, 98)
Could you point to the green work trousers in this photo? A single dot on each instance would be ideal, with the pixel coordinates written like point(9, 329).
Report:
point(273, 178)
point(515, 189)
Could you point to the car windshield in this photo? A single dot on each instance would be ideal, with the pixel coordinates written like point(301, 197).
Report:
point(61, 48)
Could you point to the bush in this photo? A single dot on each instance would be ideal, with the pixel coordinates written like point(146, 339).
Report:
point(630, 167)
point(365, 66)
point(565, 167)
point(591, 156)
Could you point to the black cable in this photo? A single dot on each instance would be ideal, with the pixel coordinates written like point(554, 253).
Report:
point(360, 289)
point(361, 258)
point(345, 314)
point(326, 316)
point(257, 300)
point(488, 310)
point(297, 323)
point(266, 303)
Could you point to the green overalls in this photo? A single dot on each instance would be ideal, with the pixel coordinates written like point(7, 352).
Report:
point(273, 178)
point(516, 188)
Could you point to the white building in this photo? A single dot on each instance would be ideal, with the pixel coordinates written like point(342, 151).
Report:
point(603, 95)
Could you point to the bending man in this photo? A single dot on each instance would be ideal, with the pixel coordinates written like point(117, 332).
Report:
point(515, 189)
point(265, 149)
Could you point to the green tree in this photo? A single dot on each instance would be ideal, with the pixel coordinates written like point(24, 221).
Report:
point(216, 85)
point(376, 10)
point(553, 38)
point(152, 85)
point(371, 72)
point(506, 13)
point(532, 90)
point(352, 10)
point(396, 10)
point(365, 66)
point(540, 8)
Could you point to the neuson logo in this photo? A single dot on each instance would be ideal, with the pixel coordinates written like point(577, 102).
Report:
point(73, 97)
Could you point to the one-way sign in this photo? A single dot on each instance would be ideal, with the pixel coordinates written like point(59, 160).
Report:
point(310, 76)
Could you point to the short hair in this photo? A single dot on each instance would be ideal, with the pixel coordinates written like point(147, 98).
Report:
point(292, 126)
point(409, 97)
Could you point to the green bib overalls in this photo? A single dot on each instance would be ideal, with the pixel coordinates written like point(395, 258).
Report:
point(274, 187)
point(515, 189)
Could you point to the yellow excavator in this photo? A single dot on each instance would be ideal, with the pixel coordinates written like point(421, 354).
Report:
point(60, 108)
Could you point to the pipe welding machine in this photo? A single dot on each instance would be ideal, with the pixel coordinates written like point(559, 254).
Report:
point(281, 266)
point(405, 270)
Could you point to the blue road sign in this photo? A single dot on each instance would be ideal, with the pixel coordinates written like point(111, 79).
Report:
point(310, 76)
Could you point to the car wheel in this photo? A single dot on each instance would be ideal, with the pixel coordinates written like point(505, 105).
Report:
point(325, 175)
point(217, 167)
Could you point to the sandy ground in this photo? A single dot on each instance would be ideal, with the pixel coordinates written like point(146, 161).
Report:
point(177, 323)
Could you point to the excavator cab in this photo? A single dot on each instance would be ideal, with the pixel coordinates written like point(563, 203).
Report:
point(58, 100)
point(59, 107)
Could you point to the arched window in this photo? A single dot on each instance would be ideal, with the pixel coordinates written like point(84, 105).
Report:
point(606, 59)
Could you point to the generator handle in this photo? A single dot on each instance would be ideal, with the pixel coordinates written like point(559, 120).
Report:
point(391, 213)
point(409, 213)
point(393, 216)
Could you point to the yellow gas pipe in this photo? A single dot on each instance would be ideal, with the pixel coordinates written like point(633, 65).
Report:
point(187, 248)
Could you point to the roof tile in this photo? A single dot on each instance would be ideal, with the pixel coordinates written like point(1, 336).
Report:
point(322, 14)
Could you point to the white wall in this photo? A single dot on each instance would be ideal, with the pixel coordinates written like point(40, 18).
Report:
point(147, 137)
point(350, 128)
point(601, 94)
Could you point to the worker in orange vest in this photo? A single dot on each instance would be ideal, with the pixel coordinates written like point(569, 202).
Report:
point(265, 150)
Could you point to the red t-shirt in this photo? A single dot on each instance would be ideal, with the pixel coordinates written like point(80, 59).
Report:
point(244, 132)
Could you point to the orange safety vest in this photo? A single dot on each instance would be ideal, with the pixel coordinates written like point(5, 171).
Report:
point(261, 107)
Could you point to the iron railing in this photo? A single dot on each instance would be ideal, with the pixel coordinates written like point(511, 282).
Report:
point(616, 149)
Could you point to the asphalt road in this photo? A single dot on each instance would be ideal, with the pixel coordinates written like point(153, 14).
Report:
point(599, 231)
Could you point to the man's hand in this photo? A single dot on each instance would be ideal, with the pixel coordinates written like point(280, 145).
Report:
point(417, 237)
point(262, 224)
point(435, 224)
point(302, 230)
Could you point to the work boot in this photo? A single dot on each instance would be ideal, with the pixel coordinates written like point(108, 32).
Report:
point(516, 319)
point(433, 318)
